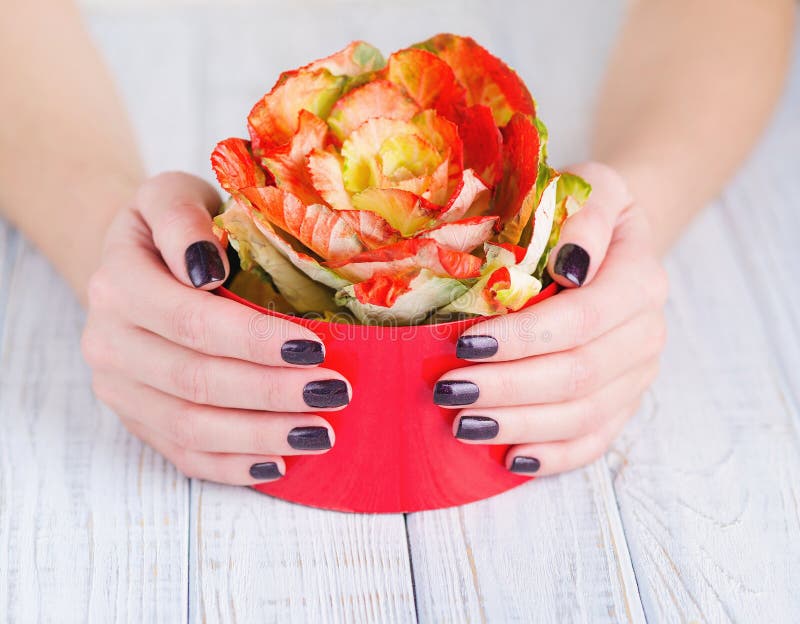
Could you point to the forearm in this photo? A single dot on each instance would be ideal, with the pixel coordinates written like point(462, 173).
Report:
point(690, 87)
point(68, 160)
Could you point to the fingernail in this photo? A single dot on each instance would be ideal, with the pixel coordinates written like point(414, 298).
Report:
point(302, 352)
point(455, 393)
point(525, 465)
point(265, 470)
point(309, 438)
point(203, 263)
point(477, 428)
point(326, 393)
point(572, 262)
point(476, 347)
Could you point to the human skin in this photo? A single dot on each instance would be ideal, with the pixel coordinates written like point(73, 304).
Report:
point(559, 394)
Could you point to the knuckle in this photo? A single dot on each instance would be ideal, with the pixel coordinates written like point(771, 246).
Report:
point(582, 374)
point(100, 291)
point(584, 321)
point(189, 327)
point(657, 287)
point(96, 350)
point(589, 416)
point(181, 427)
point(191, 381)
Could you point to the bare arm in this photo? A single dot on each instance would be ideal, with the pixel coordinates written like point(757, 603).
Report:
point(68, 160)
point(689, 89)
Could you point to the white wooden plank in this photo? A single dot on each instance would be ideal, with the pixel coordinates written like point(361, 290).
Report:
point(548, 551)
point(708, 482)
point(92, 524)
point(258, 559)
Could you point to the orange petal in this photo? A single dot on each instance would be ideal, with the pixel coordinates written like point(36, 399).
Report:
point(487, 79)
point(287, 164)
point(404, 211)
point(380, 98)
point(318, 227)
point(464, 235)
point(373, 230)
point(428, 80)
point(467, 193)
point(235, 167)
point(383, 290)
point(483, 144)
point(408, 254)
point(274, 119)
point(515, 196)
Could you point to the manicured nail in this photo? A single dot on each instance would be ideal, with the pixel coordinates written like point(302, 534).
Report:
point(302, 352)
point(476, 347)
point(525, 465)
point(572, 262)
point(477, 428)
point(309, 438)
point(326, 393)
point(266, 471)
point(203, 263)
point(455, 393)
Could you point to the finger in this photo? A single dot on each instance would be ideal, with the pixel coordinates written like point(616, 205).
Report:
point(214, 429)
point(177, 208)
point(631, 282)
point(542, 459)
point(233, 469)
point(149, 297)
point(223, 382)
point(585, 236)
point(556, 377)
point(555, 421)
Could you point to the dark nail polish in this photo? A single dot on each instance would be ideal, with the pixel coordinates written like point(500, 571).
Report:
point(326, 393)
point(525, 465)
point(455, 393)
point(203, 263)
point(266, 471)
point(572, 262)
point(476, 347)
point(309, 438)
point(302, 352)
point(477, 428)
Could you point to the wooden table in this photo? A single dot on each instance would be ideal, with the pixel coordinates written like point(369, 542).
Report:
point(694, 514)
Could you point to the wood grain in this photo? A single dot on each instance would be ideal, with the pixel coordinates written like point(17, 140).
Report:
point(93, 525)
point(707, 478)
point(258, 559)
point(552, 550)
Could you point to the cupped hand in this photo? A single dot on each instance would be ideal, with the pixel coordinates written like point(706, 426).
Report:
point(560, 379)
point(217, 388)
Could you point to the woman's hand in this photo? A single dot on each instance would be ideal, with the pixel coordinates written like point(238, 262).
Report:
point(561, 378)
point(217, 388)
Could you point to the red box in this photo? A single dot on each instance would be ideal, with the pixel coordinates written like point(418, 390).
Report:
point(395, 450)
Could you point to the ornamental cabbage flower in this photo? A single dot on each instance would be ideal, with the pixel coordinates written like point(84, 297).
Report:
point(405, 190)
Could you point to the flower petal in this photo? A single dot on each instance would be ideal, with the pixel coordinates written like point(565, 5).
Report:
point(373, 230)
point(406, 255)
point(443, 135)
point(412, 302)
point(258, 243)
point(483, 144)
point(318, 227)
point(380, 98)
point(325, 171)
point(361, 166)
point(515, 196)
point(542, 226)
point(274, 119)
point(487, 79)
point(428, 80)
point(287, 164)
point(466, 194)
point(404, 211)
point(357, 58)
point(464, 235)
point(235, 167)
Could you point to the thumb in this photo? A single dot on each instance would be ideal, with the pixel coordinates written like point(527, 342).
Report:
point(585, 236)
point(177, 208)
